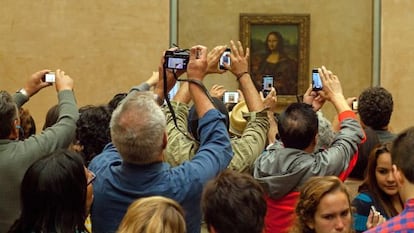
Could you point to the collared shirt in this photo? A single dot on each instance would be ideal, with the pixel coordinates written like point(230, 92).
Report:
point(404, 222)
point(118, 184)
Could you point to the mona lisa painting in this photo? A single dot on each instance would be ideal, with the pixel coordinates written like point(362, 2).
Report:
point(279, 47)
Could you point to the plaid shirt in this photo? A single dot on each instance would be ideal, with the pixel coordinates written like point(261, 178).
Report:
point(403, 222)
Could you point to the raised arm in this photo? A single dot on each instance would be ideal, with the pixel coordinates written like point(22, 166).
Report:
point(239, 67)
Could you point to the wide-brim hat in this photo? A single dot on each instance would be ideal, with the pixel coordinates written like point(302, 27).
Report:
point(237, 121)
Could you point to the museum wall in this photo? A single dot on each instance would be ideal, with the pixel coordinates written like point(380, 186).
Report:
point(106, 46)
point(397, 54)
point(340, 34)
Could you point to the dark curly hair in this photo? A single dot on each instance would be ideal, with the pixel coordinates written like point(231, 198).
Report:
point(375, 107)
point(92, 130)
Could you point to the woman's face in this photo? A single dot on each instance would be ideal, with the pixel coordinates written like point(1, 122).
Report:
point(383, 174)
point(90, 176)
point(333, 214)
point(272, 42)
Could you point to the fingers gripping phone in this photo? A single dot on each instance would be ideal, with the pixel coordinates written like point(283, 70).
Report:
point(225, 58)
point(267, 84)
point(316, 80)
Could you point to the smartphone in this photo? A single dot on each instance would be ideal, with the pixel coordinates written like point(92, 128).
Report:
point(267, 84)
point(230, 97)
point(225, 58)
point(50, 77)
point(355, 105)
point(316, 80)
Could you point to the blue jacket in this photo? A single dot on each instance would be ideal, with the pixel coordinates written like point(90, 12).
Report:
point(118, 184)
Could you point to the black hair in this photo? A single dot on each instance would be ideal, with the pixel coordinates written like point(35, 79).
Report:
point(8, 113)
point(298, 126)
point(193, 118)
point(92, 130)
point(53, 195)
point(375, 106)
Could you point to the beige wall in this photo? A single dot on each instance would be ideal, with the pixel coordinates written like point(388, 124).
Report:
point(106, 46)
point(397, 54)
point(340, 33)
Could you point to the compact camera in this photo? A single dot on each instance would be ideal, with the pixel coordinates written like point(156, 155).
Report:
point(50, 77)
point(177, 59)
point(231, 97)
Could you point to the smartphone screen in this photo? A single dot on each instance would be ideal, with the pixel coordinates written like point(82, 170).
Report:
point(267, 84)
point(225, 58)
point(231, 97)
point(316, 80)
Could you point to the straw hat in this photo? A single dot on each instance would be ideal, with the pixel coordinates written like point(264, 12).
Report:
point(237, 121)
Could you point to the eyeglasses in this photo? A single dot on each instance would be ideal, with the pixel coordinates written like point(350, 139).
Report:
point(91, 178)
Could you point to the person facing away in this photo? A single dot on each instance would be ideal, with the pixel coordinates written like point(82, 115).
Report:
point(16, 156)
point(288, 163)
point(234, 202)
point(56, 195)
point(403, 162)
point(132, 165)
point(248, 146)
point(155, 214)
point(324, 206)
point(375, 107)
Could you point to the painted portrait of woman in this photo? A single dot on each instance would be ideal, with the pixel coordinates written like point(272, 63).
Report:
point(275, 61)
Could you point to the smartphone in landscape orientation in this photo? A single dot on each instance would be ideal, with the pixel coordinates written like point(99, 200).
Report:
point(267, 84)
point(230, 97)
point(316, 80)
point(225, 58)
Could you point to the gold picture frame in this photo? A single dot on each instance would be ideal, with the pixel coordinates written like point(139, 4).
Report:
point(287, 59)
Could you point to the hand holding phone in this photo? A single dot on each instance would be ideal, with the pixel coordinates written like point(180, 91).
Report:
point(316, 80)
point(267, 84)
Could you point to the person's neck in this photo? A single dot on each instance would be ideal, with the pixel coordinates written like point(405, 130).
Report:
point(406, 191)
point(397, 203)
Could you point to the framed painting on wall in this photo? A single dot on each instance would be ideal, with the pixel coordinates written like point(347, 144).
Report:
point(279, 47)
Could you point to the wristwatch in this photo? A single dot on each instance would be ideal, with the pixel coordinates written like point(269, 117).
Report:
point(23, 92)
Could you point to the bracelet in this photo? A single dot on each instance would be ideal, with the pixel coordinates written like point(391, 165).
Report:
point(241, 75)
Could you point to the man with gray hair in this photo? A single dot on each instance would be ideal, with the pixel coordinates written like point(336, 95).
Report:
point(132, 165)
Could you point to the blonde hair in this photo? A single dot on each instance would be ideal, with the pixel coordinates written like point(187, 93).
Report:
point(154, 214)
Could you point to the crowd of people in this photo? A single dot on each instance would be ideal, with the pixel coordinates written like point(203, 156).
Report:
point(142, 162)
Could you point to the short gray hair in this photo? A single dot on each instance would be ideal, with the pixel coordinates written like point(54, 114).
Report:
point(137, 128)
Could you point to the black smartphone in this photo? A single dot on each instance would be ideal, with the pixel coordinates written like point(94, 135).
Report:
point(231, 97)
point(267, 84)
point(316, 80)
point(225, 58)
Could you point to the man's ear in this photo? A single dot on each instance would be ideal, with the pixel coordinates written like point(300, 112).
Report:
point(14, 132)
point(211, 229)
point(398, 176)
point(164, 140)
